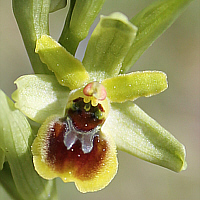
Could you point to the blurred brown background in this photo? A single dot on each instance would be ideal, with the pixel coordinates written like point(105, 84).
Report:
point(176, 52)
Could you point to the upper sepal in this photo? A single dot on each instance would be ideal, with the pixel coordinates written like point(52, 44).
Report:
point(108, 45)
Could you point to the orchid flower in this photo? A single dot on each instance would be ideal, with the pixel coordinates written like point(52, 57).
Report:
point(70, 118)
point(87, 110)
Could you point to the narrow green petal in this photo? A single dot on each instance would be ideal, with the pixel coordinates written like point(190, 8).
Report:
point(39, 96)
point(68, 70)
point(2, 156)
point(152, 22)
point(80, 17)
point(137, 84)
point(18, 138)
point(138, 134)
point(108, 45)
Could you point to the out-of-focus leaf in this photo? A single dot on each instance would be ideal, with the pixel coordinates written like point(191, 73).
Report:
point(151, 23)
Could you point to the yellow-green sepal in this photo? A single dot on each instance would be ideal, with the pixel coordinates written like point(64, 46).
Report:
point(108, 45)
point(39, 96)
point(68, 70)
point(17, 138)
point(136, 84)
point(138, 134)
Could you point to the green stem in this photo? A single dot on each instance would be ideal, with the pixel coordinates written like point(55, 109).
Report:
point(32, 17)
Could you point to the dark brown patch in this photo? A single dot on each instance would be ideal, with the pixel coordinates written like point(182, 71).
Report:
point(82, 166)
point(84, 120)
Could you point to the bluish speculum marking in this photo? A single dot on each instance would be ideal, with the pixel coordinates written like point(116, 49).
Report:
point(83, 122)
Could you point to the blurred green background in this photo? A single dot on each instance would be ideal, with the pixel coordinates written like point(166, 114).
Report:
point(176, 52)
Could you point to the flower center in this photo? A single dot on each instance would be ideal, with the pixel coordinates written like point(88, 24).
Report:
point(84, 117)
point(95, 92)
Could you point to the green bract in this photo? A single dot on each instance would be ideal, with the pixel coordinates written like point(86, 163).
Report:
point(16, 138)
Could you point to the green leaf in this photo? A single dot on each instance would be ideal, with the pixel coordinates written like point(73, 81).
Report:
point(18, 138)
point(39, 96)
point(57, 5)
point(137, 84)
point(152, 22)
point(81, 16)
point(2, 157)
point(136, 133)
point(108, 45)
point(7, 182)
point(69, 71)
point(32, 17)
